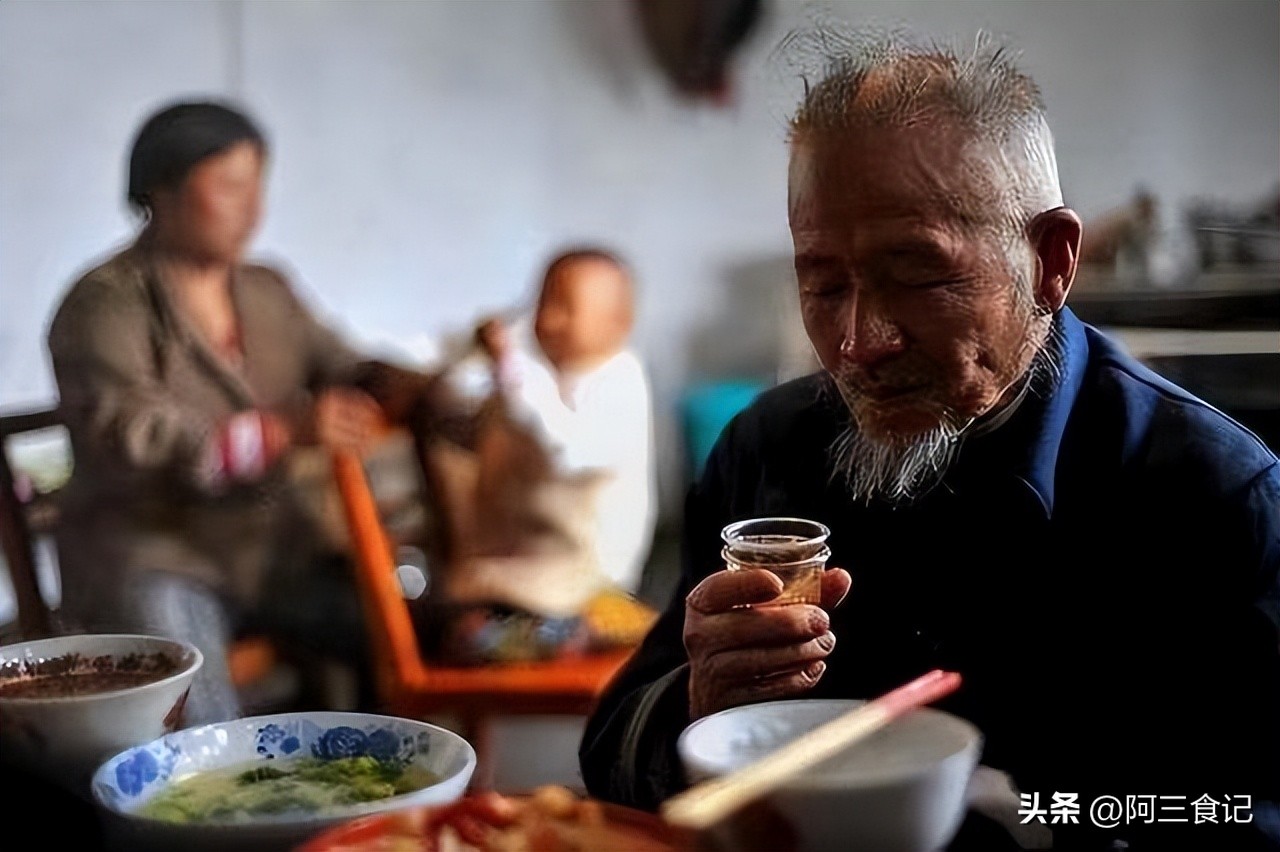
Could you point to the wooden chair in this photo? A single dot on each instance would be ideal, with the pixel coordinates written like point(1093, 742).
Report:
point(410, 686)
point(21, 520)
point(24, 518)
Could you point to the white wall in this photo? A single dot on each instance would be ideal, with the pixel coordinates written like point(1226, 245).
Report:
point(430, 155)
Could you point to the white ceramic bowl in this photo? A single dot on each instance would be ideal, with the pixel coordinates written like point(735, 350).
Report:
point(903, 789)
point(126, 782)
point(65, 738)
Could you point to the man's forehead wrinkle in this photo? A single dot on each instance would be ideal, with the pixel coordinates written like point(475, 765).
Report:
point(882, 240)
point(839, 179)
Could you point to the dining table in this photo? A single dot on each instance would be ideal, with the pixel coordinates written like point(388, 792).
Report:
point(57, 818)
point(50, 817)
point(63, 820)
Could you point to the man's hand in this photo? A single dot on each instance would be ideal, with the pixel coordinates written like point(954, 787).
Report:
point(740, 652)
point(346, 419)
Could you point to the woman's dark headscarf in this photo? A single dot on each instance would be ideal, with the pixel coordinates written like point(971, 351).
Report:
point(176, 138)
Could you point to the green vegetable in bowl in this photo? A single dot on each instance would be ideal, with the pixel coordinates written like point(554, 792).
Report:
point(304, 786)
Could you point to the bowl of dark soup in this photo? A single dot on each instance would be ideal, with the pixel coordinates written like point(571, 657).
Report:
point(70, 702)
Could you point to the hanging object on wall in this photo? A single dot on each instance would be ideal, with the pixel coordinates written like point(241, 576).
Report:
point(693, 41)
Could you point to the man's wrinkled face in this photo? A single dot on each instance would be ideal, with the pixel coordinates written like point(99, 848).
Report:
point(906, 287)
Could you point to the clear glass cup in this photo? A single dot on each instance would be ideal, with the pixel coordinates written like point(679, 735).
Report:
point(794, 549)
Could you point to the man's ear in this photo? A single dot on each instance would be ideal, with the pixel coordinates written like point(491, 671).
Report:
point(1055, 237)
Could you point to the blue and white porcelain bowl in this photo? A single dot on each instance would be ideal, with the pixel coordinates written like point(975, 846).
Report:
point(126, 782)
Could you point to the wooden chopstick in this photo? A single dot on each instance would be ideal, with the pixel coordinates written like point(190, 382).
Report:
point(707, 803)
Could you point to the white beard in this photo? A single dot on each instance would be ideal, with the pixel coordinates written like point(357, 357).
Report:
point(896, 471)
point(900, 470)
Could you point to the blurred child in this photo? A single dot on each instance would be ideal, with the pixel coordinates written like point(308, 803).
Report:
point(586, 394)
point(551, 510)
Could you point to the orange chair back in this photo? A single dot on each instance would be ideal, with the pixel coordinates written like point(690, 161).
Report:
point(411, 686)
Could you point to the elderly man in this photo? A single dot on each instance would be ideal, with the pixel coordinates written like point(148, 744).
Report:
point(1010, 495)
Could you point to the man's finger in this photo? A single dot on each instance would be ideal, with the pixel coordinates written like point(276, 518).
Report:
point(755, 627)
point(757, 663)
point(769, 689)
point(835, 585)
point(724, 590)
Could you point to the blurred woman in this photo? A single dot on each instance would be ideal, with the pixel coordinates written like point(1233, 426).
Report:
point(186, 375)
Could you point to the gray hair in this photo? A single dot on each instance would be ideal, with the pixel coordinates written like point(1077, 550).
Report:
point(873, 79)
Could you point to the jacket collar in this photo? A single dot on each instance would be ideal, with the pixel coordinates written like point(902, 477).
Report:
point(1035, 466)
point(233, 381)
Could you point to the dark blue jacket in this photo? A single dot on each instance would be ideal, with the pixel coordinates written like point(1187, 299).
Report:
point(1101, 569)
